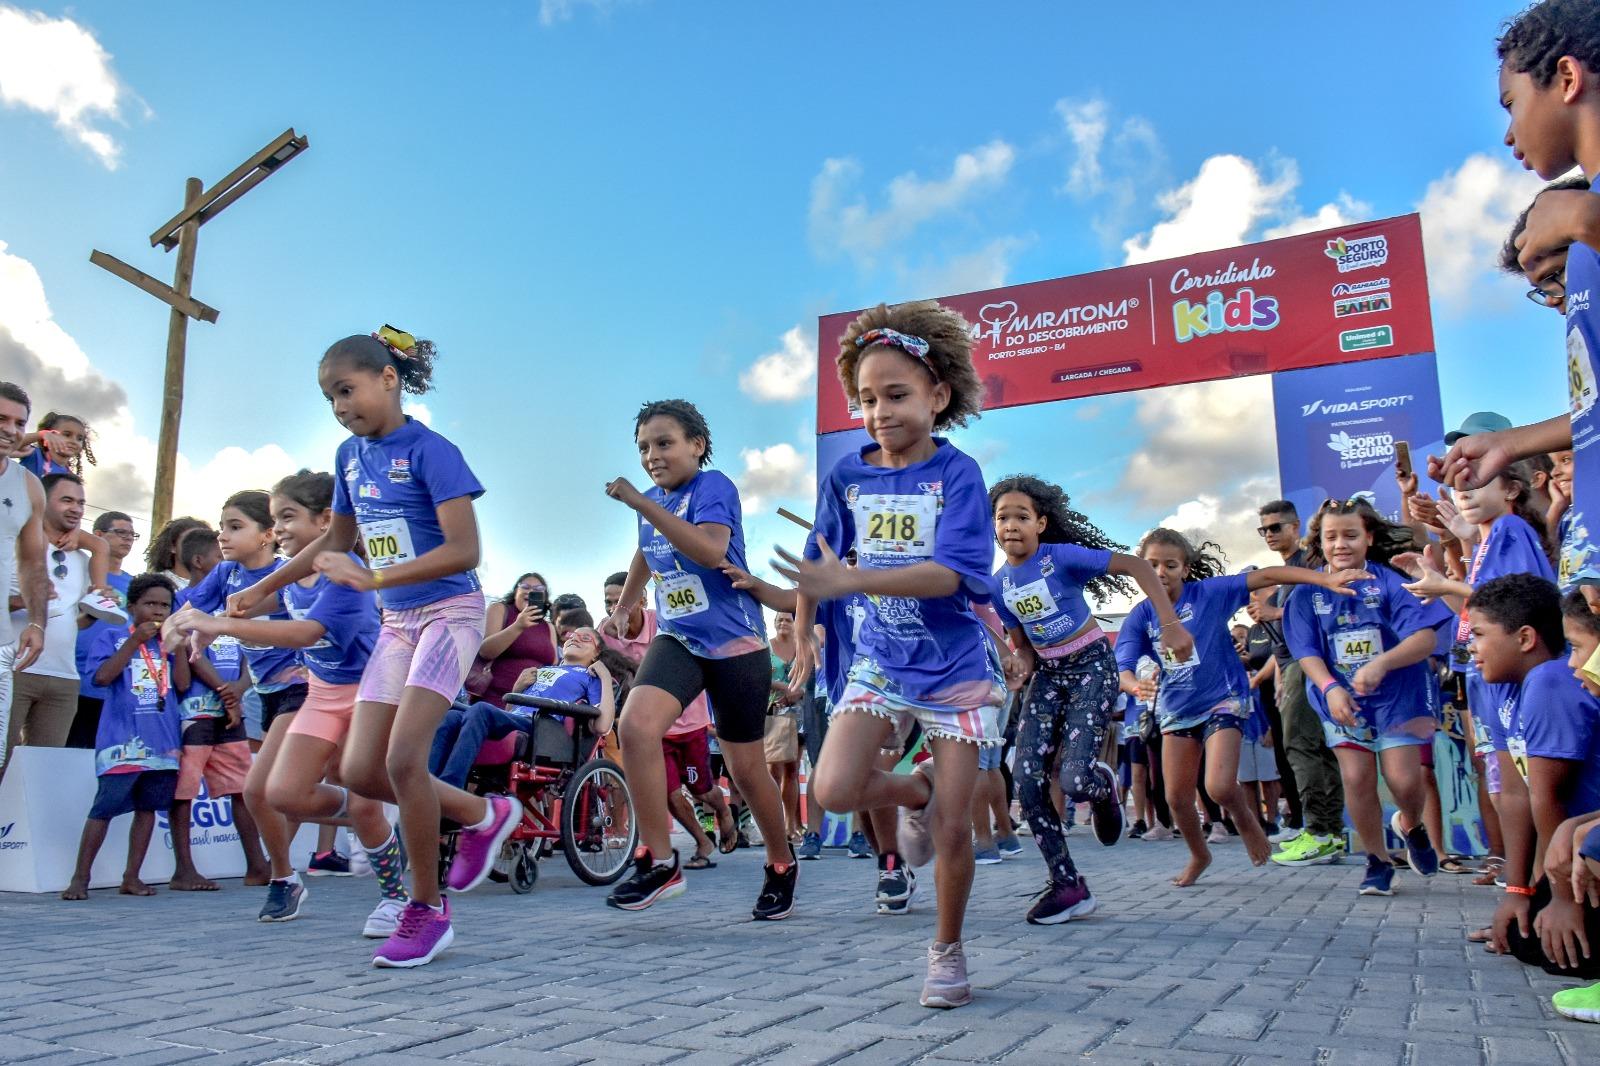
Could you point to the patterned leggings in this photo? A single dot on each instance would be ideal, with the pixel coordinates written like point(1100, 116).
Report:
point(1068, 706)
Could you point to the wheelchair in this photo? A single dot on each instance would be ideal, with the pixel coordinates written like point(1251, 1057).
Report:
point(569, 793)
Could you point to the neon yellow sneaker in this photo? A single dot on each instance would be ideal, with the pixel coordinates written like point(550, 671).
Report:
point(1579, 1004)
point(1309, 849)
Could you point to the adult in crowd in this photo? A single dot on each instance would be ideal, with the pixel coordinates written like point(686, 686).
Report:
point(1316, 771)
point(22, 553)
point(116, 529)
point(519, 635)
point(162, 556)
point(1263, 667)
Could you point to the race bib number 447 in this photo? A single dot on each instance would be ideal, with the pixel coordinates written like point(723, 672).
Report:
point(1355, 648)
point(896, 524)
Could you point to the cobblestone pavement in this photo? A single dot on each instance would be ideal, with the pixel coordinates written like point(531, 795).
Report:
point(1252, 966)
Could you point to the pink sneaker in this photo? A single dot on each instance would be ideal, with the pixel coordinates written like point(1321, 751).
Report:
point(422, 933)
point(477, 848)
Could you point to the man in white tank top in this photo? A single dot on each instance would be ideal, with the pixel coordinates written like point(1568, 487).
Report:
point(22, 545)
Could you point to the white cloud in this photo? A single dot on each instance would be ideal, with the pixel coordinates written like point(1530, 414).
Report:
point(1206, 435)
point(553, 11)
point(1086, 122)
point(983, 268)
point(57, 68)
point(1229, 519)
point(842, 222)
point(420, 411)
point(774, 474)
point(1466, 215)
point(1345, 210)
point(1227, 199)
point(784, 375)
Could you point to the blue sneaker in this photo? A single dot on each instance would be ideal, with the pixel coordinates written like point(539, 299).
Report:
point(810, 847)
point(1010, 847)
point(986, 856)
point(858, 846)
point(1424, 861)
point(1380, 878)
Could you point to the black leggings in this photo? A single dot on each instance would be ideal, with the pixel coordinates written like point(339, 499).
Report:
point(1067, 709)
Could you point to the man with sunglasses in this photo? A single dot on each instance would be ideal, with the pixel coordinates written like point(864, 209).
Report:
point(1316, 771)
point(22, 554)
point(44, 697)
point(116, 529)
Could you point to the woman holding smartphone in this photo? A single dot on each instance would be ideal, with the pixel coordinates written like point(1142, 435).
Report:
point(519, 635)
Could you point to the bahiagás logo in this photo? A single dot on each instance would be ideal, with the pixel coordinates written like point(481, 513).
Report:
point(1245, 311)
point(1365, 449)
point(1357, 288)
point(1359, 254)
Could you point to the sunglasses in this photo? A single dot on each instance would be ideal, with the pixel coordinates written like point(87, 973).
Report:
point(59, 557)
point(1272, 527)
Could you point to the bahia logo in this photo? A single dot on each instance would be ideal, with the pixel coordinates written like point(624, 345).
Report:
point(1358, 254)
point(1245, 311)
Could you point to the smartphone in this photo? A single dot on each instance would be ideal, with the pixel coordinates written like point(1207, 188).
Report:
point(1402, 458)
point(541, 599)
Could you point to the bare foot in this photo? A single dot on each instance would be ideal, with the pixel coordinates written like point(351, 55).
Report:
point(256, 880)
point(132, 886)
point(76, 890)
point(1191, 873)
point(727, 832)
point(1258, 848)
point(192, 883)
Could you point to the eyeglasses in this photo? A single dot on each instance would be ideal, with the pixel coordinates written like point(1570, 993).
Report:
point(59, 557)
point(125, 534)
point(1552, 286)
point(530, 588)
point(1272, 527)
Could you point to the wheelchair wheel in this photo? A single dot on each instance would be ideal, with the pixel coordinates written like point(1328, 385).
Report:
point(598, 830)
point(524, 871)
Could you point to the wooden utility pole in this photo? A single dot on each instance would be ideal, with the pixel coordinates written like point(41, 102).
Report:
point(182, 232)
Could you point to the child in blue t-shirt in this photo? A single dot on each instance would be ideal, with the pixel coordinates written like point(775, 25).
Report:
point(136, 745)
point(330, 631)
point(1366, 666)
point(712, 639)
point(1547, 740)
point(915, 510)
point(1053, 557)
point(59, 446)
point(406, 494)
point(1202, 701)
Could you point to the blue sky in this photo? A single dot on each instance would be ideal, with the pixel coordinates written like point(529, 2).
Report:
point(592, 205)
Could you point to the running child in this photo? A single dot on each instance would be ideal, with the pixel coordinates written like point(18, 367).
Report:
point(1366, 665)
point(407, 493)
point(1053, 556)
point(914, 509)
point(136, 745)
point(1202, 701)
point(712, 638)
point(334, 629)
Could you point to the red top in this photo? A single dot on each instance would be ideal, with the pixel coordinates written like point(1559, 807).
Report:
point(534, 646)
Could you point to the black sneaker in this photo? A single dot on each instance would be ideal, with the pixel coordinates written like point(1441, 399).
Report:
point(328, 864)
point(285, 900)
point(777, 892)
point(1138, 831)
point(1106, 813)
point(651, 881)
point(1061, 903)
point(897, 883)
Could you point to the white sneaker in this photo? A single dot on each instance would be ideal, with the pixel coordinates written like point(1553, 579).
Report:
point(1219, 835)
point(1284, 835)
point(384, 919)
point(360, 865)
point(1158, 832)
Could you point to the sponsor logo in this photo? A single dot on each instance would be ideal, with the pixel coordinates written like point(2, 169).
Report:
point(1359, 254)
point(352, 469)
point(400, 471)
point(210, 820)
point(1577, 301)
point(1362, 449)
point(1183, 280)
point(1006, 324)
point(369, 491)
point(6, 843)
point(851, 494)
point(1320, 604)
point(1360, 340)
point(1350, 407)
point(1246, 311)
point(1365, 304)
point(1355, 288)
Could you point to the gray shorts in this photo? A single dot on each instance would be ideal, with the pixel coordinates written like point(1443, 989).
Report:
point(1256, 762)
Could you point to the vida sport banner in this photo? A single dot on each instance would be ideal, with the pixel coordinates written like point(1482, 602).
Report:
point(1333, 297)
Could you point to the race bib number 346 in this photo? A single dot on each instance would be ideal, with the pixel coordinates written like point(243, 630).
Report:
point(896, 524)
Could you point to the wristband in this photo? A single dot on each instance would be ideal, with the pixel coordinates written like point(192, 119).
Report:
point(35, 625)
point(377, 579)
point(1519, 890)
point(1332, 682)
point(1174, 622)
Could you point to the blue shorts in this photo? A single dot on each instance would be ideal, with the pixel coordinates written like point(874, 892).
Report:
point(989, 757)
point(141, 790)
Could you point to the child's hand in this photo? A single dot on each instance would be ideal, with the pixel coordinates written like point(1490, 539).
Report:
point(1369, 677)
point(1459, 527)
point(1342, 707)
point(146, 631)
point(1430, 581)
point(1472, 461)
point(526, 678)
point(242, 604)
point(617, 621)
point(1585, 886)
point(343, 570)
point(740, 579)
point(826, 578)
point(1179, 641)
point(1559, 502)
point(1340, 580)
point(1512, 908)
point(1407, 483)
point(1147, 689)
point(1018, 668)
point(804, 665)
point(622, 491)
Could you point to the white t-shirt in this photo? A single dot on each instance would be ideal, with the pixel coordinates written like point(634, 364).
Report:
point(16, 507)
point(59, 658)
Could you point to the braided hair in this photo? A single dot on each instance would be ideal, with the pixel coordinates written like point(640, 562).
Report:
point(1063, 525)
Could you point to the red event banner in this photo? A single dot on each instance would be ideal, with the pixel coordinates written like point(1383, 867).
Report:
point(1335, 296)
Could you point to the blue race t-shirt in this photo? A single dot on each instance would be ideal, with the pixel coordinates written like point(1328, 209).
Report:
point(140, 723)
point(564, 682)
point(350, 623)
point(930, 651)
point(841, 622)
point(394, 487)
point(1583, 388)
point(1044, 595)
point(268, 666)
point(1188, 692)
point(1551, 716)
point(87, 637)
point(1347, 632)
point(698, 605)
point(1572, 537)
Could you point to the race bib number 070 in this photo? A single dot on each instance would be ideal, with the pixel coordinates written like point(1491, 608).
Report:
point(387, 542)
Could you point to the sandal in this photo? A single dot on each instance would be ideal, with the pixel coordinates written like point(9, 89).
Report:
point(1491, 871)
point(1453, 864)
point(727, 841)
point(699, 862)
point(1480, 936)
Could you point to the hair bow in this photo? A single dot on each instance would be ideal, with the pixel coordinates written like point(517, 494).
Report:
point(397, 341)
point(915, 347)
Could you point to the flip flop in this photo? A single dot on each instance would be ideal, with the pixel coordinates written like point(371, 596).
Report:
point(1480, 936)
point(1454, 865)
point(699, 862)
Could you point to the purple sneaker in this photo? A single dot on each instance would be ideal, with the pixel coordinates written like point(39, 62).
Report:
point(422, 933)
point(1061, 903)
point(477, 848)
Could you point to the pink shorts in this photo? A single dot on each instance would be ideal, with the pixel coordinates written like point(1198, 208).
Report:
point(429, 647)
point(222, 766)
point(326, 712)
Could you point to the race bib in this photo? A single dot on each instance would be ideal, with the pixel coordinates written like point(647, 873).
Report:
point(1171, 662)
point(896, 524)
point(682, 594)
point(1031, 602)
point(1355, 648)
point(143, 682)
point(388, 542)
point(1580, 373)
point(1517, 748)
